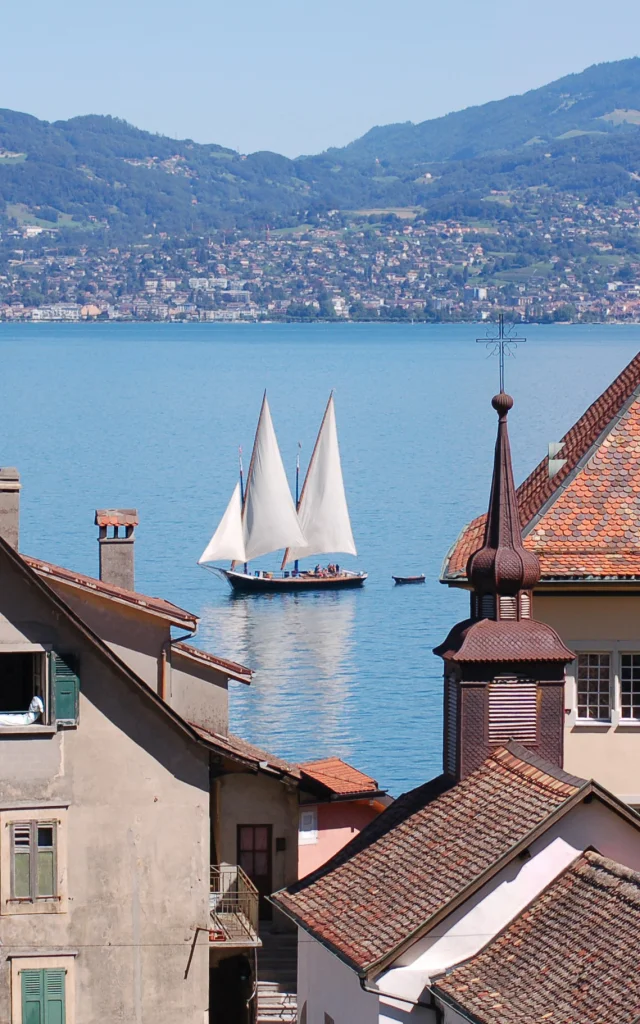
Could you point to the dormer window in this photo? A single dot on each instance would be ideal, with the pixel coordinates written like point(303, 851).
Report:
point(37, 688)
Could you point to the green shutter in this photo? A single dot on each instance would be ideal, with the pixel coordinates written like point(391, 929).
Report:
point(65, 687)
point(53, 997)
point(32, 997)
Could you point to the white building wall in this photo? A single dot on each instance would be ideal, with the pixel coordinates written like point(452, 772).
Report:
point(327, 986)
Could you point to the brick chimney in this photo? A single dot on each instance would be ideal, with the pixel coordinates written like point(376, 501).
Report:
point(10, 506)
point(115, 541)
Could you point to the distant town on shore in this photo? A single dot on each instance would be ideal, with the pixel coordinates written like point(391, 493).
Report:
point(566, 267)
point(528, 206)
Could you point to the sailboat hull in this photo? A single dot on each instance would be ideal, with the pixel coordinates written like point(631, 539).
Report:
point(244, 583)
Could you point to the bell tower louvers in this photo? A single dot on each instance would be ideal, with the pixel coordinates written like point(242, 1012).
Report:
point(504, 671)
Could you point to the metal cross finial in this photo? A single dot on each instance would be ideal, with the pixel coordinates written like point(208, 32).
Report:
point(500, 343)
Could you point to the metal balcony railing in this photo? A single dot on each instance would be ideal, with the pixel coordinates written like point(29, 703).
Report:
point(233, 904)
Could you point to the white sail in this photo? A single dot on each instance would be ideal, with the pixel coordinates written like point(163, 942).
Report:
point(228, 540)
point(323, 512)
point(269, 515)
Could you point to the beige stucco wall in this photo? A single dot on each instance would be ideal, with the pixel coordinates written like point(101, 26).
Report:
point(134, 635)
point(247, 799)
point(137, 837)
point(608, 753)
point(198, 693)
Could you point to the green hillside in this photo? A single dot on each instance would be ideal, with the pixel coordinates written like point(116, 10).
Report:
point(604, 99)
point(101, 177)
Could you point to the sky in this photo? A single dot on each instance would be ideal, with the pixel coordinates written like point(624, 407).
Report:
point(292, 76)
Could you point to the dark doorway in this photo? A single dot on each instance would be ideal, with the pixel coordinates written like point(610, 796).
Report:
point(230, 987)
point(254, 857)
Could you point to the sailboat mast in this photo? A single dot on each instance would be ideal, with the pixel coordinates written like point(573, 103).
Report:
point(295, 564)
point(253, 455)
point(241, 487)
point(311, 461)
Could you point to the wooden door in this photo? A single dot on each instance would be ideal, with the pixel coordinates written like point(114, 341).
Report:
point(254, 857)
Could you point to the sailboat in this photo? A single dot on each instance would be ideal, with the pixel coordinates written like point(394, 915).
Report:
point(262, 517)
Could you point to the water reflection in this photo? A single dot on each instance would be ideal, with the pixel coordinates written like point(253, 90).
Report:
point(302, 650)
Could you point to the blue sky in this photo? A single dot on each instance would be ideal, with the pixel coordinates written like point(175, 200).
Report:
point(294, 77)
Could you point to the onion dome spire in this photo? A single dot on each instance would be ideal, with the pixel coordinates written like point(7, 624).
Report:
point(503, 566)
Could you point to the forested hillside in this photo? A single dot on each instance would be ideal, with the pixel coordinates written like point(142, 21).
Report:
point(102, 177)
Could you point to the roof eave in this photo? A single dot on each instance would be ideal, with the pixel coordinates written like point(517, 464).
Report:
point(182, 618)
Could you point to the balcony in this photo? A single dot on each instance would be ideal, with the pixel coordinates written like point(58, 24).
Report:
point(233, 907)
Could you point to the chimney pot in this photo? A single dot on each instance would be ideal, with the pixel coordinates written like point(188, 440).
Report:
point(116, 550)
point(10, 506)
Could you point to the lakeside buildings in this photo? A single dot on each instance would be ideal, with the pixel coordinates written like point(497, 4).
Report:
point(570, 261)
point(139, 838)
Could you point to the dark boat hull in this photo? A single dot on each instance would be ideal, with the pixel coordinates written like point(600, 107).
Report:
point(400, 580)
point(243, 583)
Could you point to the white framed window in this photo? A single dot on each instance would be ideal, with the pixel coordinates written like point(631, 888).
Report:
point(308, 826)
point(630, 687)
point(593, 686)
point(43, 988)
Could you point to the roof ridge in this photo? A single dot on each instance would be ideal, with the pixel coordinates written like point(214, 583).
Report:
point(529, 765)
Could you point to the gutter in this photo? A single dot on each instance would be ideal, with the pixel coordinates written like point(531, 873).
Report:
point(164, 659)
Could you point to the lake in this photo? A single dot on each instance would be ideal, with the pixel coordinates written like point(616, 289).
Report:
point(151, 415)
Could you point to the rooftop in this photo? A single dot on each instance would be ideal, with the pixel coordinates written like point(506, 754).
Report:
point(584, 523)
point(570, 958)
point(339, 777)
point(408, 865)
point(156, 605)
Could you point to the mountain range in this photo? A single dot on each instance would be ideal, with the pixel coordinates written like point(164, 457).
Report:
point(100, 176)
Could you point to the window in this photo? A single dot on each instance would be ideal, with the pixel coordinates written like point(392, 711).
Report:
point(43, 996)
point(37, 688)
point(308, 827)
point(630, 687)
point(22, 687)
point(594, 686)
point(33, 861)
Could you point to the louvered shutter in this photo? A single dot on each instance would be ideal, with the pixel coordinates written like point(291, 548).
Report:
point(65, 688)
point(32, 997)
point(54, 1009)
point(513, 711)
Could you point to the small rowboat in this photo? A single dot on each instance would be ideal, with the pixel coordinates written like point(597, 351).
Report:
point(409, 579)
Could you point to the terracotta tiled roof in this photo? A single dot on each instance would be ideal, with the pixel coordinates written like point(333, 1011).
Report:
point(230, 668)
point(586, 519)
point(246, 753)
point(488, 640)
point(339, 777)
point(157, 605)
point(412, 860)
point(572, 957)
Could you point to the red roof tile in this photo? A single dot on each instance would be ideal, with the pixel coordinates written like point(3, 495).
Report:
point(339, 777)
point(572, 957)
point(411, 861)
point(585, 522)
point(157, 605)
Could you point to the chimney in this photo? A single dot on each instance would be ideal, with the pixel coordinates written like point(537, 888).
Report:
point(115, 541)
point(10, 506)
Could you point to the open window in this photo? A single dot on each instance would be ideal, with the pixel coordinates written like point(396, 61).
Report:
point(37, 688)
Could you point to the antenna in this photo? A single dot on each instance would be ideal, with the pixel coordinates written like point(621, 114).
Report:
point(499, 343)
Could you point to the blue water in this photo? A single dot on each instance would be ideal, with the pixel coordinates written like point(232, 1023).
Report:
point(150, 416)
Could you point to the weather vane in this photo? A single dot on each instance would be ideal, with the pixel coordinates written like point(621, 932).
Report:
point(508, 341)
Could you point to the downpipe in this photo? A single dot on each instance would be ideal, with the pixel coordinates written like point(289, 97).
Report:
point(164, 659)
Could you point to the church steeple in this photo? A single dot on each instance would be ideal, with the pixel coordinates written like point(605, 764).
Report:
point(502, 567)
point(504, 671)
